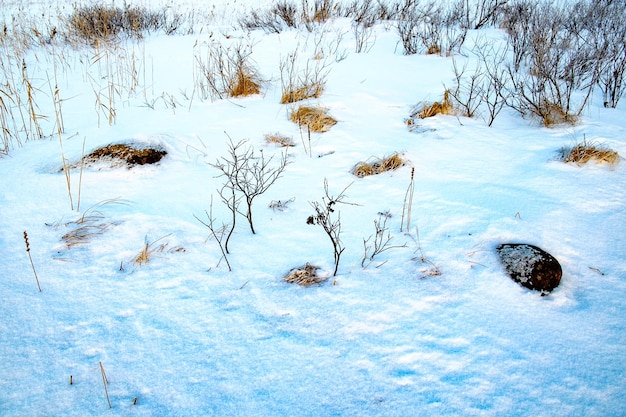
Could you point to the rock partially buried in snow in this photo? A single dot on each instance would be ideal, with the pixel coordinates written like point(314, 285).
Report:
point(530, 266)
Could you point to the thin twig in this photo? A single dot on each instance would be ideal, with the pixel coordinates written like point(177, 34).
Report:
point(105, 381)
point(31, 259)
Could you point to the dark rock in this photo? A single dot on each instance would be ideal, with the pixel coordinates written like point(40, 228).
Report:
point(530, 266)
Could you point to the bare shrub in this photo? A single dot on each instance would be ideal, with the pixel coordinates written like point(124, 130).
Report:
point(479, 13)
point(316, 119)
point(431, 28)
point(328, 217)
point(600, 29)
point(552, 64)
point(282, 15)
point(378, 165)
point(585, 152)
point(248, 175)
point(222, 233)
point(378, 242)
point(316, 12)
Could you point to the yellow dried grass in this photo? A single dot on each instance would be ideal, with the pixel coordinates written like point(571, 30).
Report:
point(316, 118)
point(586, 152)
point(279, 139)
point(245, 82)
point(443, 107)
point(305, 275)
point(377, 166)
point(311, 90)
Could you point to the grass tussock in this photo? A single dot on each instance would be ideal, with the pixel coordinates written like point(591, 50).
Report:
point(279, 140)
point(90, 225)
point(99, 22)
point(586, 152)
point(124, 155)
point(306, 91)
point(438, 107)
point(552, 114)
point(305, 275)
point(378, 166)
point(316, 118)
point(244, 82)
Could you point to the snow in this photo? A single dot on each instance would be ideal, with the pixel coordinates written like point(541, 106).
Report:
point(184, 336)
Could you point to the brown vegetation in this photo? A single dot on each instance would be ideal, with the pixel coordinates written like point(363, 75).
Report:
point(586, 152)
point(377, 166)
point(316, 118)
point(125, 154)
point(305, 275)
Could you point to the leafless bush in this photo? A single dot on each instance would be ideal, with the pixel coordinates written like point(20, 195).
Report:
point(316, 12)
point(554, 72)
point(281, 16)
point(433, 28)
point(467, 90)
point(379, 242)
point(599, 27)
point(516, 21)
point(483, 85)
point(221, 234)
point(247, 176)
point(329, 218)
point(222, 72)
point(479, 13)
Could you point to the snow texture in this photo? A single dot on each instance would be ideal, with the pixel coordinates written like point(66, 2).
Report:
point(180, 335)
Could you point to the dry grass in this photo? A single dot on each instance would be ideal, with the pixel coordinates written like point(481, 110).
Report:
point(316, 118)
point(152, 248)
point(586, 152)
point(306, 91)
point(97, 22)
point(552, 114)
point(443, 107)
point(305, 275)
point(279, 140)
point(124, 155)
point(88, 226)
point(244, 82)
point(377, 166)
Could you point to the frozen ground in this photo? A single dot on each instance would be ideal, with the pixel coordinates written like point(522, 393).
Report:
point(184, 336)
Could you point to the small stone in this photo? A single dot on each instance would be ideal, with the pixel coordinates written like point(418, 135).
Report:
point(530, 266)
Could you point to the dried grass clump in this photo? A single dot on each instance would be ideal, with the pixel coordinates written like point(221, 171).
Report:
point(316, 118)
point(586, 151)
point(305, 275)
point(91, 224)
point(279, 139)
point(378, 166)
point(306, 91)
point(552, 114)
point(97, 22)
point(443, 107)
point(244, 82)
point(124, 154)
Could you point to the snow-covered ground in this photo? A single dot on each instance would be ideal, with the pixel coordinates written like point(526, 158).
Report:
point(183, 336)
